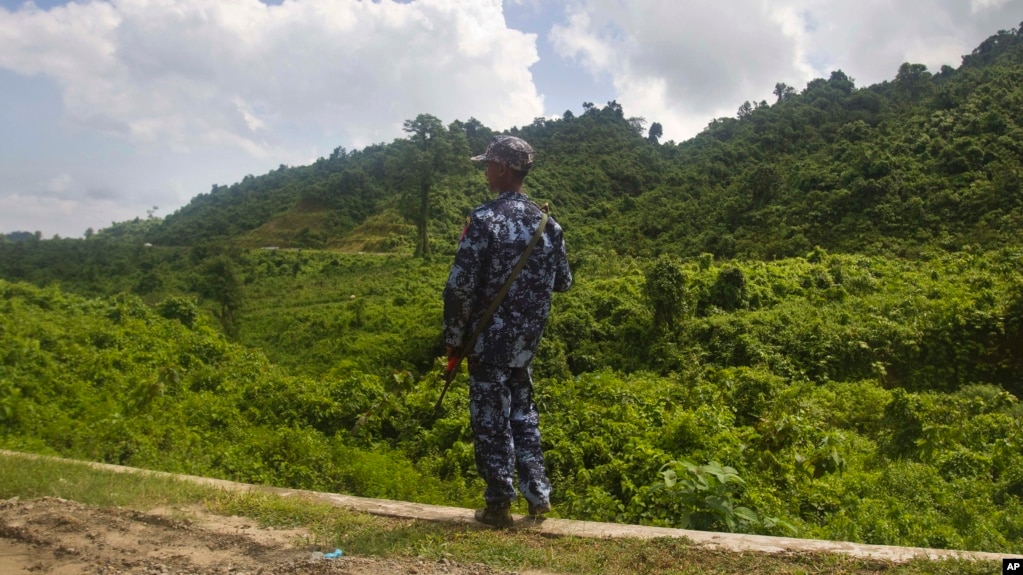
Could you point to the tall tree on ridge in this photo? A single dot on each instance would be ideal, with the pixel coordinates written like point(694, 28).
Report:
point(434, 151)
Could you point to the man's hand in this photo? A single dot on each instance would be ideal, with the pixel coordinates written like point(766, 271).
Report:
point(454, 357)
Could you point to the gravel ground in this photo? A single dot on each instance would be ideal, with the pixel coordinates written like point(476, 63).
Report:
point(63, 537)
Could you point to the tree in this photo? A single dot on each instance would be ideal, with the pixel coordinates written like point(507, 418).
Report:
point(783, 91)
point(763, 184)
point(434, 151)
point(425, 133)
point(219, 282)
point(477, 135)
point(841, 81)
point(729, 291)
point(637, 123)
point(913, 81)
point(655, 133)
point(666, 288)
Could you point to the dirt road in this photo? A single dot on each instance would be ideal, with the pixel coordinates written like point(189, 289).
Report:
point(66, 538)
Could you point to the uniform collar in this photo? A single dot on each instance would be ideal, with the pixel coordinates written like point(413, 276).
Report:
point(513, 195)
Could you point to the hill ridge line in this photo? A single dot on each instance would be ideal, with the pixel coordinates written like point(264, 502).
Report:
point(734, 542)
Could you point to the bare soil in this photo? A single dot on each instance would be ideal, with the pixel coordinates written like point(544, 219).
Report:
point(62, 537)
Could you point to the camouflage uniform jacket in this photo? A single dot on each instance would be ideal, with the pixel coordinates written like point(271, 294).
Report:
point(496, 235)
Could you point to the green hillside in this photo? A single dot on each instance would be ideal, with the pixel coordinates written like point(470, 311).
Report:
point(926, 159)
point(807, 320)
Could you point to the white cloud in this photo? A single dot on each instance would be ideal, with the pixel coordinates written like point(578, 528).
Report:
point(678, 63)
point(183, 79)
point(979, 5)
point(579, 39)
point(65, 217)
point(238, 72)
point(60, 184)
point(684, 63)
point(69, 42)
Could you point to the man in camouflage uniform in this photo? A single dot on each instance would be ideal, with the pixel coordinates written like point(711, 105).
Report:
point(504, 418)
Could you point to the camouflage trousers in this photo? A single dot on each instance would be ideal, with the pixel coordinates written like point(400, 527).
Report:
point(506, 433)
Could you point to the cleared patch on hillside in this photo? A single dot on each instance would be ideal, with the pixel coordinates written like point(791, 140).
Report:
point(386, 232)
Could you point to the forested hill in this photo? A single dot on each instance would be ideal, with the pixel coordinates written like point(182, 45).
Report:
point(926, 159)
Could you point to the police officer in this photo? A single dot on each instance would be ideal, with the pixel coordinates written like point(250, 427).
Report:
point(501, 408)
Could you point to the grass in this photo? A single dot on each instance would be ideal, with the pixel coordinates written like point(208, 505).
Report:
point(366, 535)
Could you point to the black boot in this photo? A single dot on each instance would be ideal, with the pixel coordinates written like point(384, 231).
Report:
point(496, 516)
point(537, 511)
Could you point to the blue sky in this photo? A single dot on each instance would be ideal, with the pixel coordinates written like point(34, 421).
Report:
point(111, 109)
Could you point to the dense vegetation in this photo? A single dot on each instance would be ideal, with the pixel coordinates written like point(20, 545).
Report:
point(806, 320)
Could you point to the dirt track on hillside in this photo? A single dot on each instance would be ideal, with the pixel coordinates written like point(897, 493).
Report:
point(63, 537)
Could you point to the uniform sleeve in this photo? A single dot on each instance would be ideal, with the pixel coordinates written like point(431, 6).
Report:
point(562, 273)
point(462, 289)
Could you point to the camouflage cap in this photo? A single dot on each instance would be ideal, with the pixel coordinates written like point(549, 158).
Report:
point(513, 152)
